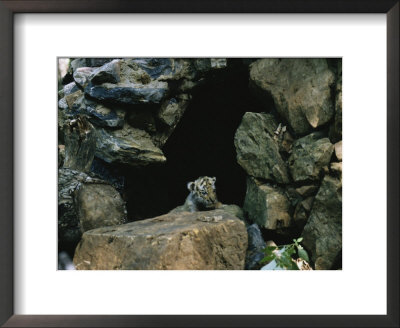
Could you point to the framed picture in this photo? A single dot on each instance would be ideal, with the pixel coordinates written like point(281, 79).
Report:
point(204, 83)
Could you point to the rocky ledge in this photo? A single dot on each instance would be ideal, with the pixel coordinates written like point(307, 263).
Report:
point(211, 240)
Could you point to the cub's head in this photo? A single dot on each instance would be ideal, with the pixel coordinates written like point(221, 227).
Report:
point(203, 191)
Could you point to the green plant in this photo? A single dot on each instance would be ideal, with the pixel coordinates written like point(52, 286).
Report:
point(284, 255)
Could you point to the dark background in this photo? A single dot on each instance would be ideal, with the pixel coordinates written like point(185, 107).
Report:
point(201, 145)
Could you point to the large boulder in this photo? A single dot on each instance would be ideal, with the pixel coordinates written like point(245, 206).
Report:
point(323, 232)
point(266, 205)
point(212, 240)
point(127, 146)
point(310, 155)
point(257, 148)
point(99, 205)
point(300, 88)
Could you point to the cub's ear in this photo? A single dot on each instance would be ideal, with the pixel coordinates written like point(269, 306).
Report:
point(214, 179)
point(190, 186)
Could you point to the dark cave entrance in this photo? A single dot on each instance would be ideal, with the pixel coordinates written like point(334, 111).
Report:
point(201, 145)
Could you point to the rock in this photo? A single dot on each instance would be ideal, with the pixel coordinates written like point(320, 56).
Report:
point(69, 89)
point(81, 76)
point(180, 241)
point(335, 132)
point(71, 98)
point(65, 262)
point(129, 93)
point(257, 150)
point(99, 205)
point(256, 245)
point(104, 116)
point(108, 173)
point(265, 205)
point(88, 62)
point(127, 146)
point(309, 155)
point(172, 110)
point(323, 232)
point(233, 210)
point(123, 82)
point(170, 113)
point(338, 150)
point(61, 155)
point(306, 191)
point(302, 211)
point(300, 88)
point(108, 73)
point(97, 113)
point(69, 229)
point(155, 67)
point(80, 144)
point(218, 63)
point(206, 64)
point(142, 119)
point(336, 170)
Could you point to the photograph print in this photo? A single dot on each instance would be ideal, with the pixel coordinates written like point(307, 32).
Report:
point(199, 163)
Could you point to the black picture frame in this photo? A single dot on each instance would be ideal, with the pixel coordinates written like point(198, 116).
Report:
point(10, 7)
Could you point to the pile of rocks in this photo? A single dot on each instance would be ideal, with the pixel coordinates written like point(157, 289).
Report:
point(293, 157)
point(122, 112)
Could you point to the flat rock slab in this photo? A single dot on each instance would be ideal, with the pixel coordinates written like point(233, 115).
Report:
point(210, 240)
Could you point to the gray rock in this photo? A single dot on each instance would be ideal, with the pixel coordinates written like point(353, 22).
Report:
point(80, 144)
point(267, 206)
point(323, 232)
point(179, 241)
point(257, 148)
point(300, 88)
point(310, 155)
point(88, 62)
point(155, 67)
point(127, 146)
point(69, 88)
point(99, 205)
point(335, 132)
point(256, 245)
point(69, 229)
point(128, 93)
point(61, 155)
point(99, 114)
point(81, 76)
point(104, 116)
point(126, 83)
point(306, 191)
point(108, 73)
point(302, 211)
point(170, 113)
